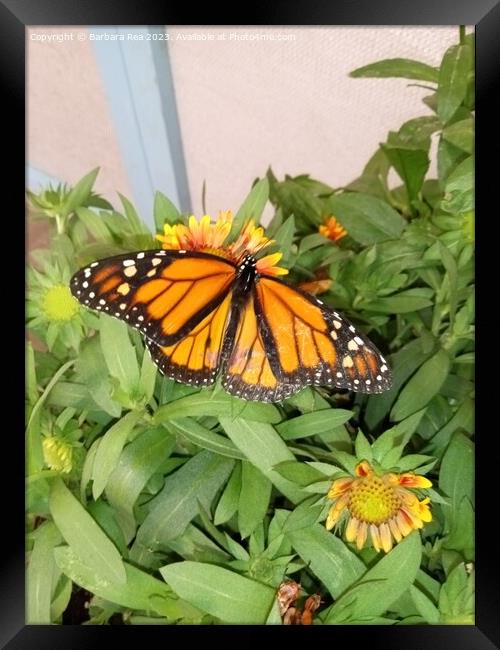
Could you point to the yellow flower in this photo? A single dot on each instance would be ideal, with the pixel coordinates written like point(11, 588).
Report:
point(58, 454)
point(381, 507)
point(209, 237)
point(332, 229)
point(58, 304)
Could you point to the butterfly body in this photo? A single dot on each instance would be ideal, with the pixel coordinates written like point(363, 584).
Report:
point(205, 316)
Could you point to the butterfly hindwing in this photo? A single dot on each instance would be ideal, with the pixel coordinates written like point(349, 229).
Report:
point(248, 371)
point(195, 359)
point(164, 294)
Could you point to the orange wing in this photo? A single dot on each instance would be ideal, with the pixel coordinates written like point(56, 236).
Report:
point(195, 359)
point(308, 343)
point(164, 294)
point(247, 371)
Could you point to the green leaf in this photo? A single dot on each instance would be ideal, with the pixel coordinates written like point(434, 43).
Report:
point(176, 505)
point(328, 558)
point(254, 499)
point(205, 438)
point(216, 404)
point(164, 211)
point(195, 545)
point(388, 448)
point(139, 591)
point(461, 134)
point(411, 163)
point(40, 575)
point(293, 198)
point(402, 302)
point(264, 448)
point(228, 503)
point(422, 387)
point(366, 218)
point(404, 363)
point(252, 207)
point(84, 536)
point(456, 598)
point(94, 224)
point(456, 477)
point(80, 193)
point(284, 238)
point(406, 68)
point(461, 178)
point(381, 586)
point(138, 462)
point(362, 447)
point(109, 450)
point(147, 379)
point(219, 592)
point(453, 78)
point(119, 353)
point(132, 216)
point(301, 473)
point(424, 605)
point(312, 424)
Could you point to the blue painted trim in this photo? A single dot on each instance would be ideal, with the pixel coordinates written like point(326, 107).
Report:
point(140, 98)
point(161, 59)
point(36, 179)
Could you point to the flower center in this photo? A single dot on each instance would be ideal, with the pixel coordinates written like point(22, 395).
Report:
point(58, 303)
point(373, 501)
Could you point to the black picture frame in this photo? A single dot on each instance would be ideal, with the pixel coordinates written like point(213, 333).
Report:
point(15, 16)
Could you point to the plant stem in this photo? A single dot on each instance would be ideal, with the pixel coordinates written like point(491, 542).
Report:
point(461, 31)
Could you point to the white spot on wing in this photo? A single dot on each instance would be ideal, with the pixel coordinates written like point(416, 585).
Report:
point(128, 262)
point(352, 345)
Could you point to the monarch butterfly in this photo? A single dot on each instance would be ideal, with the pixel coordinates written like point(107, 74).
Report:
point(203, 315)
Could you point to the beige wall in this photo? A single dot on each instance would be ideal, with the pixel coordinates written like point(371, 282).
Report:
point(291, 104)
point(69, 125)
point(243, 105)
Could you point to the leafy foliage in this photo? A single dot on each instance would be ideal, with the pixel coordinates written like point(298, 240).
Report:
point(171, 504)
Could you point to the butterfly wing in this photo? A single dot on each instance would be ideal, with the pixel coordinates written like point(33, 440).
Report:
point(164, 294)
point(195, 359)
point(248, 371)
point(314, 344)
point(287, 339)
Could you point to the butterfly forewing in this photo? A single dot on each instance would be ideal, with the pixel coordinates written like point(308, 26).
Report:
point(164, 294)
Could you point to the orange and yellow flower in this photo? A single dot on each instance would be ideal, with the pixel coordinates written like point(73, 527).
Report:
point(332, 229)
point(210, 237)
point(381, 507)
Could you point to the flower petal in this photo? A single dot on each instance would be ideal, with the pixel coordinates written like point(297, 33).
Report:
point(375, 535)
point(385, 537)
point(395, 529)
point(362, 534)
point(364, 469)
point(352, 529)
point(404, 523)
point(414, 480)
point(424, 511)
point(339, 486)
point(336, 510)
